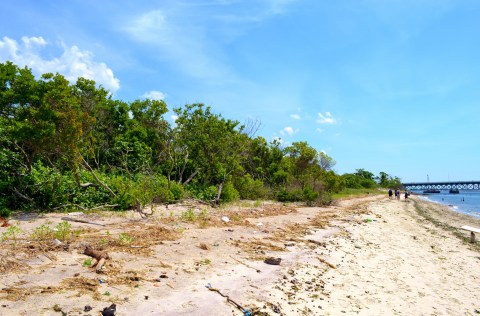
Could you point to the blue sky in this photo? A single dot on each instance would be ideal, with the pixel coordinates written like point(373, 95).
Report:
point(383, 85)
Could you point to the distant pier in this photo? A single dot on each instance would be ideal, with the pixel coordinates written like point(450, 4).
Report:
point(460, 185)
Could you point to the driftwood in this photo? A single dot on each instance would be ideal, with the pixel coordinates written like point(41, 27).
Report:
point(78, 220)
point(331, 265)
point(100, 256)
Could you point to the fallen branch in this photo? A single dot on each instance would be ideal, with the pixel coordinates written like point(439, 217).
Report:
point(85, 163)
point(78, 220)
point(104, 206)
point(240, 307)
point(100, 256)
point(327, 263)
point(243, 263)
point(22, 195)
point(67, 205)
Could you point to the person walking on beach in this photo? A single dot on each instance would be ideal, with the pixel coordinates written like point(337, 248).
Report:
point(406, 195)
point(390, 193)
point(397, 194)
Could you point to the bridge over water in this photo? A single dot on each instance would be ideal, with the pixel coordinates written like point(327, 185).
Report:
point(461, 185)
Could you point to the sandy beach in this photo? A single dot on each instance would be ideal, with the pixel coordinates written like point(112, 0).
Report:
point(363, 256)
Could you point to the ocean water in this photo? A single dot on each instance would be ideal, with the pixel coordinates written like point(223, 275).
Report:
point(467, 201)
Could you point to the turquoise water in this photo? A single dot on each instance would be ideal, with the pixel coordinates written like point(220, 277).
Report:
point(467, 201)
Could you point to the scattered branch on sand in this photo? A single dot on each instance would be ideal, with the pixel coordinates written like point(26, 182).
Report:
point(243, 263)
point(331, 265)
point(320, 243)
point(100, 256)
point(78, 220)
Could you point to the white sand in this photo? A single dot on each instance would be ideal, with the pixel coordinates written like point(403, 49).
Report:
point(376, 257)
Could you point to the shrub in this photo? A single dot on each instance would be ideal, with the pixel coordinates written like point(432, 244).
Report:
point(229, 193)
point(5, 212)
point(249, 188)
point(177, 191)
point(309, 195)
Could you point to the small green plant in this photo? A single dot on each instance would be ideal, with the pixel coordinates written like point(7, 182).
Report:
point(87, 262)
point(42, 233)
point(11, 233)
point(107, 293)
point(188, 216)
point(125, 239)
point(63, 230)
point(206, 262)
point(203, 215)
point(257, 203)
point(103, 243)
point(235, 217)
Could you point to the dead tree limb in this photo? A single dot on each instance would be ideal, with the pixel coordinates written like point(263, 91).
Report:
point(191, 177)
point(85, 163)
point(22, 195)
point(100, 256)
point(78, 220)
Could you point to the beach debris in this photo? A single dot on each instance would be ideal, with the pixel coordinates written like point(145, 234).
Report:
point(320, 243)
point(368, 220)
point(78, 220)
point(225, 219)
point(273, 261)
point(240, 307)
point(87, 308)
point(4, 222)
point(204, 246)
point(100, 256)
point(109, 311)
point(248, 266)
point(331, 265)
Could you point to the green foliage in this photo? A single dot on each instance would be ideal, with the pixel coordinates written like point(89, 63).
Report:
point(5, 212)
point(289, 195)
point(87, 262)
point(11, 233)
point(177, 190)
point(188, 216)
point(63, 231)
point(43, 233)
point(144, 188)
point(249, 188)
point(309, 195)
point(125, 239)
point(65, 145)
point(229, 193)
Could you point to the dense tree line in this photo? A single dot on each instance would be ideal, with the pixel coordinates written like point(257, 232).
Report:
point(72, 145)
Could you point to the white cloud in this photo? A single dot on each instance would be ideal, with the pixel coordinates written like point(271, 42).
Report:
point(155, 95)
point(188, 45)
point(319, 130)
point(326, 118)
point(288, 131)
point(174, 118)
point(295, 116)
point(73, 63)
point(278, 6)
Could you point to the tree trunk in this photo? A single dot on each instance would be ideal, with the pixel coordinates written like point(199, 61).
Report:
point(191, 177)
point(219, 193)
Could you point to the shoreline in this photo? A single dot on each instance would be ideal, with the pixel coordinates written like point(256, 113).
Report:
point(363, 256)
